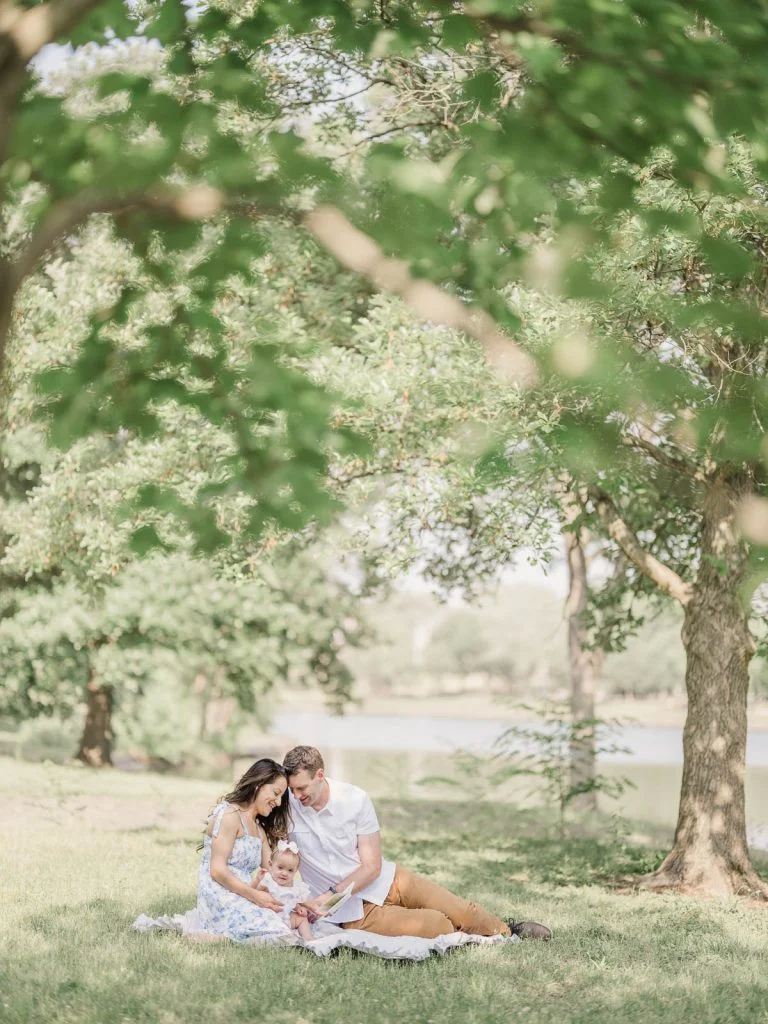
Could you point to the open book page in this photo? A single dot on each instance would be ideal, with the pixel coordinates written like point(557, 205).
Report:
point(337, 902)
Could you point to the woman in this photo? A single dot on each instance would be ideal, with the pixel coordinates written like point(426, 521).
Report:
point(241, 830)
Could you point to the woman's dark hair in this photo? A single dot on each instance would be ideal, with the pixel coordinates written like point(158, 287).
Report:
point(261, 773)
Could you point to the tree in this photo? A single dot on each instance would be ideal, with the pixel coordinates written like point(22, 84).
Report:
point(669, 502)
point(632, 188)
point(164, 623)
point(575, 132)
point(423, 402)
point(143, 130)
point(524, 77)
point(86, 621)
point(584, 664)
point(644, 463)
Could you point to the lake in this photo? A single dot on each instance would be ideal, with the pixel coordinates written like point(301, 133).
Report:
point(392, 755)
point(648, 745)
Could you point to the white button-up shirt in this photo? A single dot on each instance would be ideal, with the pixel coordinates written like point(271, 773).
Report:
point(327, 841)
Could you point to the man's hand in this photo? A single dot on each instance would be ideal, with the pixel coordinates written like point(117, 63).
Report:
point(317, 905)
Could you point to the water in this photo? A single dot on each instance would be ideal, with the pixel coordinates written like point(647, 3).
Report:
point(393, 756)
point(646, 744)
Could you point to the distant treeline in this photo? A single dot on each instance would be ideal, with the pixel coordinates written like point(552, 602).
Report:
point(513, 642)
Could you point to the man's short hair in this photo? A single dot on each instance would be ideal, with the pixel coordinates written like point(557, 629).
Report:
point(308, 759)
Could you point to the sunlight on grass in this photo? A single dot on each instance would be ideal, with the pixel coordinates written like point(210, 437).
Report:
point(89, 851)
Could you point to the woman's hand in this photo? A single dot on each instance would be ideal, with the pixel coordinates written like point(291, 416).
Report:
point(265, 899)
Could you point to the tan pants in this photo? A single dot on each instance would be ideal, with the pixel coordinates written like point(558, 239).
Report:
point(416, 906)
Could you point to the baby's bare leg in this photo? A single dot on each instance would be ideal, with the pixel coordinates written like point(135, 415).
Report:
point(302, 926)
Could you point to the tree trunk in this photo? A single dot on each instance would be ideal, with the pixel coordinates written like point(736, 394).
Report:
point(201, 689)
point(583, 666)
point(7, 295)
point(96, 742)
point(710, 854)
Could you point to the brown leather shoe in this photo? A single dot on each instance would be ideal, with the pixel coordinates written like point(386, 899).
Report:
point(529, 930)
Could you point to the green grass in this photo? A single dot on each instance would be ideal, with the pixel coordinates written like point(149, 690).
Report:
point(83, 853)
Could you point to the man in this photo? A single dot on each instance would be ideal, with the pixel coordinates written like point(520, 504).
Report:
point(337, 832)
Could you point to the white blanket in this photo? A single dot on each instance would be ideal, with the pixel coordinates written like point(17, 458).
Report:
point(330, 937)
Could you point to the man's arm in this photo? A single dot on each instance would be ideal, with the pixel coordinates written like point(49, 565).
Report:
point(369, 851)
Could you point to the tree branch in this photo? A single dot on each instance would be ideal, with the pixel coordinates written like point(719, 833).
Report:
point(674, 462)
point(575, 45)
point(29, 30)
point(397, 468)
point(662, 576)
point(344, 479)
point(316, 102)
point(359, 253)
point(391, 131)
point(198, 202)
point(327, 224)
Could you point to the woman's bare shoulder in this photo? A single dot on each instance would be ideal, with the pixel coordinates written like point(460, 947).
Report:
point(226, 816)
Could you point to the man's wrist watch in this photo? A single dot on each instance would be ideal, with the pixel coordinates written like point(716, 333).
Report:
point(333, 889)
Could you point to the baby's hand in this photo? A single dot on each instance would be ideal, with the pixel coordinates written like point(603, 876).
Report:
point(301, 910)
point(258, 878)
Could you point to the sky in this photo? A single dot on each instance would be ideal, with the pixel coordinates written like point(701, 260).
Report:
point(554, 579)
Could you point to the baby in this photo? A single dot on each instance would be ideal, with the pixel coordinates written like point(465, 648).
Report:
point(280, 879)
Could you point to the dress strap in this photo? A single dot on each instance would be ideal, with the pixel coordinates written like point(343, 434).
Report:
point(217, 814)
point(242, 822)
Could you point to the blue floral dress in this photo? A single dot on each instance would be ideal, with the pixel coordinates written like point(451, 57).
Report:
point(223, 912)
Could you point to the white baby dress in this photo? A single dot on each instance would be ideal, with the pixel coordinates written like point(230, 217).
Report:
point(289, 895)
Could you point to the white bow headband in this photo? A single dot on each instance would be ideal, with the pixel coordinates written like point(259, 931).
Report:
point(282, 845)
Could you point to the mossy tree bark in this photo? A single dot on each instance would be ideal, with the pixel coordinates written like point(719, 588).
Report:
point(710, 853)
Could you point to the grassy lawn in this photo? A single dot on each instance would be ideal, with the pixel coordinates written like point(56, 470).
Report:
point(83, 853)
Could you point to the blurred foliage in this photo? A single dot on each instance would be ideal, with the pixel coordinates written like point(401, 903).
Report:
point(594, 177)
point(541, 753)
point(544, 754)
point(560, 149)
point(511, 643)
point(151, 124)
point(176, 631)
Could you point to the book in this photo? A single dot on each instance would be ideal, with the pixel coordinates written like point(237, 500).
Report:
point(337, 902)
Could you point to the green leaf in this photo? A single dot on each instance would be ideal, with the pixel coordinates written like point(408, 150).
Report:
point(109, 18)
point(727, 257)
point(459, 30)
point(146, 539)
point(169, 24)
point(118, 81)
